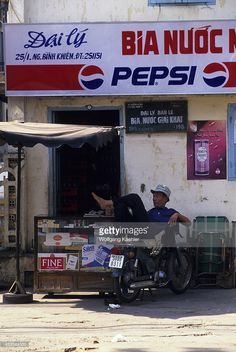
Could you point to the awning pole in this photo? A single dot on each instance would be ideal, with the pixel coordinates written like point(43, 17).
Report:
point(18, 195)
point(17, 286)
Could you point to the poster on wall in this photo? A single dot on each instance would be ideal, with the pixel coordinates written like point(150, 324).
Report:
point(206, 150)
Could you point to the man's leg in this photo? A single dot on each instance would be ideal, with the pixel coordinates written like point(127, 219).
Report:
point(168, 239)
point(103, 203)
point(134, 202)
point(121, 207)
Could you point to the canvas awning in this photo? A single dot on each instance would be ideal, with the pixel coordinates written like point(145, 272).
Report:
point(20, 134)
point(54, 135)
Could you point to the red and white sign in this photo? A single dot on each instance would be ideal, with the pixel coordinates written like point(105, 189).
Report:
point(52, 261)
point(57, 239)
point(182, 57)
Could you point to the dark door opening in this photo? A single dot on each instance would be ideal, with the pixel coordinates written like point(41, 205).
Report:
point(83, 170)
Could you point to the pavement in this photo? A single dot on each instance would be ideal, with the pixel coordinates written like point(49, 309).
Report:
point(200, 320)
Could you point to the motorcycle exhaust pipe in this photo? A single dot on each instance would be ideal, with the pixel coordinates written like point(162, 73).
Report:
point(142, 278)
point(143, 284)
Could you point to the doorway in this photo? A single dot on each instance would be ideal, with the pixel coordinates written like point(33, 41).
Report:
point(79, 171)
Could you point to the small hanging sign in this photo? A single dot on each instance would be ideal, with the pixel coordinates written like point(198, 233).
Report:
point(160, 116)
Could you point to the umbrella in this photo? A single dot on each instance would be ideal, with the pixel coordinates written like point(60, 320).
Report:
point(28, 134)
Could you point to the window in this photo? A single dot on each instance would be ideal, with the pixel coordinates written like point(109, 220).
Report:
point(183, 2)
point(232, 142)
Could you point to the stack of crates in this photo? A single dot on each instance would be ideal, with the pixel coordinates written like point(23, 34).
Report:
point(213, 248)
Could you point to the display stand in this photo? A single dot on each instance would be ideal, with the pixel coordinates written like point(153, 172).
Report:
point(66, 257)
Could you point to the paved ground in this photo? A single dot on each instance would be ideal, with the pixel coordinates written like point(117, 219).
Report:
point(199, 320)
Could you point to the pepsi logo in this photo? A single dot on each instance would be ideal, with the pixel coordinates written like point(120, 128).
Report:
point(220, 74)
point(215, 74)
point(91, 77)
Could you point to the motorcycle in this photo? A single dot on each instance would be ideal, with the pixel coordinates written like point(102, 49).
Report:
point(173, 268)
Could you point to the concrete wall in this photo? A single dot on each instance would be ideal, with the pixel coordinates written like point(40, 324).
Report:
point(162, 156)
point(113, 10)
point(8, 269)
point(162, 159)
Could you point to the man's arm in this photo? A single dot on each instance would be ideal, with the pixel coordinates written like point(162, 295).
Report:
point(177, 217)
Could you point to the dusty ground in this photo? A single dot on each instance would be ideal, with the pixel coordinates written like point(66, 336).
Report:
point(200, 320)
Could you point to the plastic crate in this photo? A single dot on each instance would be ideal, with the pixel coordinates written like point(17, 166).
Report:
point(211, 237)
point(217, 224)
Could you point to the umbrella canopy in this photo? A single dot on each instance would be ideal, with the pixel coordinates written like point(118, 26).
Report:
point(54, 135)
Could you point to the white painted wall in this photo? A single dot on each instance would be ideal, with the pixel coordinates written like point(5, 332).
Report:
point(120, 10)
point(40, 11)
point(148, 160)
point(16, 11)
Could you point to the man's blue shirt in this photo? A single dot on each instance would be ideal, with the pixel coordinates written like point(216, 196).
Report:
point(160, 214)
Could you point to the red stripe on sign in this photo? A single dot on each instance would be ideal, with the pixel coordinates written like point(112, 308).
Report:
point(43, 77)
point(231, 66)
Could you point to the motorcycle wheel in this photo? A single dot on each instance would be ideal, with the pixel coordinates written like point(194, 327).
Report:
point(121, 284)
point(180, 277)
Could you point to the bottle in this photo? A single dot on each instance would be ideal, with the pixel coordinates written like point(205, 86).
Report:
point(201, 151)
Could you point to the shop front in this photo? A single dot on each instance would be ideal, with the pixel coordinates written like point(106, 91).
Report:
point(67, 257)
point(79, 231)
point(168, 83)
